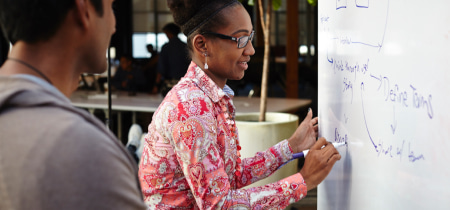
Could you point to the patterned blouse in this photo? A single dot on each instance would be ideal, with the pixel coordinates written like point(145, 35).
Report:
point(191, 155)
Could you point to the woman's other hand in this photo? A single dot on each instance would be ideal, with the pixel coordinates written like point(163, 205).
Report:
point(306, 134)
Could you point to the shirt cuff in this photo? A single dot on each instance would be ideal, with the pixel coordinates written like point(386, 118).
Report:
point(295, 184)
point(287, 149)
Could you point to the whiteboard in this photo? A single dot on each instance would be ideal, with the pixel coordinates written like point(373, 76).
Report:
point(384, 87)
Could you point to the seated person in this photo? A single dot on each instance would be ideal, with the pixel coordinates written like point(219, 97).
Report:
point(128, 77)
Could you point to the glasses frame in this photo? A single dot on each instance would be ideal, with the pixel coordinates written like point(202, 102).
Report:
point(237, 40)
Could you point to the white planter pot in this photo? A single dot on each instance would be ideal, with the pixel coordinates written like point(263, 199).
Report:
point(257, 136)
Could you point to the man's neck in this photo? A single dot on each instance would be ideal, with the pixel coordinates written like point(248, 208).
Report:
point(52, 63)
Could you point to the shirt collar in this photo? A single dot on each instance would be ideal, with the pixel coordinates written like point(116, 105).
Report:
point(42, 83)
point(207, 85)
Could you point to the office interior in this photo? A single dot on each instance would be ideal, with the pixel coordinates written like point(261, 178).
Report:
point(293, 58)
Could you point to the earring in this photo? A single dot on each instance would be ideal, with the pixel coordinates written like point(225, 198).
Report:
point(206, 61)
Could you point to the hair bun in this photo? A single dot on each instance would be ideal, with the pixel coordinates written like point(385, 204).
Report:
point(190, 14)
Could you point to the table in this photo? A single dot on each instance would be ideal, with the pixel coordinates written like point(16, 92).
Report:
point(121, 101)
point(141, 102)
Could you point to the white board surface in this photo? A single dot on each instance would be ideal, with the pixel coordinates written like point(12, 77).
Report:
point(384, 87)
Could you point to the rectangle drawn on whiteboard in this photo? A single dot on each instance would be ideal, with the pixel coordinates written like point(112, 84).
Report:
point(340, 4)
point(362, 3)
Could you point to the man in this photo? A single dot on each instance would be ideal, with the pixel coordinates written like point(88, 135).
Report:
point(52, 155)
point(149, 68)
point(173, 59)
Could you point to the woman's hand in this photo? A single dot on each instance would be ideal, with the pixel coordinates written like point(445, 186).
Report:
point(319, 162)
point(306, 134)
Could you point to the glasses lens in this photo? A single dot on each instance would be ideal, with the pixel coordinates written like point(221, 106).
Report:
point(242, 42)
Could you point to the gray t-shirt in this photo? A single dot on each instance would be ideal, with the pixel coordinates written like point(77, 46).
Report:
point(55, 156)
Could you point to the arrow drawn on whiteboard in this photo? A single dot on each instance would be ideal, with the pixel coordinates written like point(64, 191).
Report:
point(364, 114)
point(385, 26)
point(379, 79)
point(330, 59)
point(379, 45)
point(394, 126)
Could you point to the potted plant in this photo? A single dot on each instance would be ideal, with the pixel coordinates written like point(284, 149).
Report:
point(259, 131)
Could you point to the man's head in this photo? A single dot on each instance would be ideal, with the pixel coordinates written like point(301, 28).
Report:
point(171, 30)
point(150, 48)
point(62, 38)
point(36, 20)
point(79, 28)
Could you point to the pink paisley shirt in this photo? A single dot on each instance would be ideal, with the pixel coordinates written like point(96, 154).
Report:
point(191, 155)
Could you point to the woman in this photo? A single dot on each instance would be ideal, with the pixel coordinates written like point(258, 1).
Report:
point(191, 156)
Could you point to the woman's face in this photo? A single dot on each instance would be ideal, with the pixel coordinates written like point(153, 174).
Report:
point(225, 59)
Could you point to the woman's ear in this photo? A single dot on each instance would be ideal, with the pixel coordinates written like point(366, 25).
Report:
point(199, 43)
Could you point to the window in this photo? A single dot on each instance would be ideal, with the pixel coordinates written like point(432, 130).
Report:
point(140, 41)
point(147, 26)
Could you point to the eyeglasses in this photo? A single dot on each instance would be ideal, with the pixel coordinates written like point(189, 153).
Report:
point(241, 41)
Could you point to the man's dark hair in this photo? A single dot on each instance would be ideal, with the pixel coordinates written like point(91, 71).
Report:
point(36, 20)
point(172, 28)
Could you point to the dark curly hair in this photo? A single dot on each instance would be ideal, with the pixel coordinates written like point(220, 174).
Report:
point(199, 16)
point(35, 20)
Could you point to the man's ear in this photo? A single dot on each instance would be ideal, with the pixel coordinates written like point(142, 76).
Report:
point(199, 43)
point(81, 12)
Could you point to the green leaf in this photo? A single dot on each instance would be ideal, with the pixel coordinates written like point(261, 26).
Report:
point(276, 4)
point(312, 2)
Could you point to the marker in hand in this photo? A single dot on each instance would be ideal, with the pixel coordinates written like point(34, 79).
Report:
point(305, 152)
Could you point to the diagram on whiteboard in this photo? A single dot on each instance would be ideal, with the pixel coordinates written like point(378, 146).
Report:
point(352, 53)
point(383, 88)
